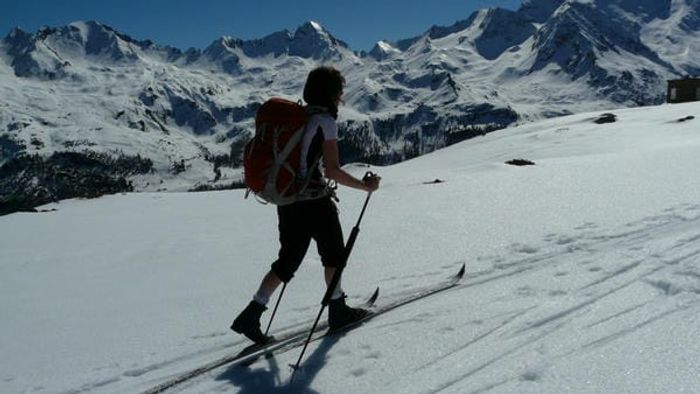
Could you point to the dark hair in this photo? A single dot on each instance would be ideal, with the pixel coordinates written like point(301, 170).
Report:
point(322, 87)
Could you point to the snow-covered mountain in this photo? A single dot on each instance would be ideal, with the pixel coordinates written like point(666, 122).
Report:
point(117, 113)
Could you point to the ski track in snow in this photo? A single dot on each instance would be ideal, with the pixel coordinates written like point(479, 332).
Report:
point(201, 356)
point(668, 269)
point(637, 257)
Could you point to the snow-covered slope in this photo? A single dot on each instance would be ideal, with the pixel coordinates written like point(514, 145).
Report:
point(582, 274)
point(176, 120)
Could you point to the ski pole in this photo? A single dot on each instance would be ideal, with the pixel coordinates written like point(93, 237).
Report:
point(274, 311)
point(334, 280)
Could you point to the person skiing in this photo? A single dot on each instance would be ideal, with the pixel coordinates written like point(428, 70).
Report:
point(316, 218)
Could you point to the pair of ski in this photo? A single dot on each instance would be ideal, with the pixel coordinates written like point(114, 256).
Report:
point(297, 338)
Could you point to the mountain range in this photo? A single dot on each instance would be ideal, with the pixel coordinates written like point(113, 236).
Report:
point(88, 110)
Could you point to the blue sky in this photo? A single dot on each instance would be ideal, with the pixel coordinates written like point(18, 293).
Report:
point(184, 24)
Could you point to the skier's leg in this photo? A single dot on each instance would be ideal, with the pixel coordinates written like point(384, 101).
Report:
point(329, 272)
point(294, 242)
point(329, 239)
point(328, 234)
point(268, 285)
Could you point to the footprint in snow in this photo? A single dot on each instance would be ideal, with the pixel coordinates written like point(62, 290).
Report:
point(525, 249)
point(526, 291)
point(374, 355)
point(530, 376)
point(564, 240)
point(665, 287)
point(358, 372)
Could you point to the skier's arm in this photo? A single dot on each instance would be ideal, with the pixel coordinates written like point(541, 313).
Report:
point(331, 163)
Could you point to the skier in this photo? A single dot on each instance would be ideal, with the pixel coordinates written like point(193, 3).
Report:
point(315, 219)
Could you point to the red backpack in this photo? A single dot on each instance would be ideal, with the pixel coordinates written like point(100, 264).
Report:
point(272, 158)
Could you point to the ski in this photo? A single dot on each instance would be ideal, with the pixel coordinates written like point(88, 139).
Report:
point(452, 282)
point(295, 339)
point(247, 355)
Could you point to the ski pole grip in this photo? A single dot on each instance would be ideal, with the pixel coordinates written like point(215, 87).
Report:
point(368, 175)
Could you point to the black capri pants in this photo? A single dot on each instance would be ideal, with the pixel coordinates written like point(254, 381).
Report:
point(301, 222)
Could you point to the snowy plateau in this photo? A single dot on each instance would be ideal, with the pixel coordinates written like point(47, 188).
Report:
point(87, 110)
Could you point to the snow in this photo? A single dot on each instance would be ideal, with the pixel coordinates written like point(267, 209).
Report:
point(582, 275)
point(317, 26)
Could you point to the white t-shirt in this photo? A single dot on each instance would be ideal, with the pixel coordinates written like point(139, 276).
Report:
point(330, 132)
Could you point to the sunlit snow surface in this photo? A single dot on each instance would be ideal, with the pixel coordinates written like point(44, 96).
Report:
point(582, 275)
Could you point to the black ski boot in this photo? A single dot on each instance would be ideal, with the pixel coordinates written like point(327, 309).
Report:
point(340, 315)
point(248, 323)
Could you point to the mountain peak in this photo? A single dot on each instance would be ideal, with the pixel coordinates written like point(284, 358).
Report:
point(224, 51)
point(227, 42)
point(502, 29)
point(89, 24)
point(314, 29)
point(382, 50)
point(19, 42)
point(311, 40)
point(17, 34)
point(314, 25)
